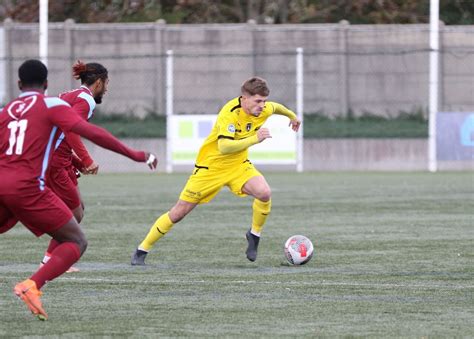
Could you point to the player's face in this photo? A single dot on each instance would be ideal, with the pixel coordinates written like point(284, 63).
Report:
point(102, 88)
point(253, 104)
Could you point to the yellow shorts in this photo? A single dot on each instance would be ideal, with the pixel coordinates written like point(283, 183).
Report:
point(205, 183)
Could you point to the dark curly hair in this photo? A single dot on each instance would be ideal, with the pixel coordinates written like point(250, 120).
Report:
point(33, 73)
point(89, 73)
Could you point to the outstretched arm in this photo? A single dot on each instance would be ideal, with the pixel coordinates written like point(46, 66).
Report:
point(282, 110)
point(105, 139)
point(61, 115)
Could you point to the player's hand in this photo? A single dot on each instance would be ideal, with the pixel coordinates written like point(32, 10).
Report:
point(262, 134)
point(80, 171)
point(295, 124)
point(93, 168)
point(151, 160)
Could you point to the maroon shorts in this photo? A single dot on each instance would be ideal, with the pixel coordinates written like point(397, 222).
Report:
point(63, 182)
point(7, 219)
point(40, 211)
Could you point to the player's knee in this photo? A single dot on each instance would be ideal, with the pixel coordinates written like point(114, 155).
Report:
point(82, 242)
point(80, 239)
point(177, 214)
point(264, 194)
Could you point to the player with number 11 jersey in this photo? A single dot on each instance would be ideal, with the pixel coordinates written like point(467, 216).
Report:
point(29, 128)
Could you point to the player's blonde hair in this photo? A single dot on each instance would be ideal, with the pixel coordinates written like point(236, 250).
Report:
point(255, 85)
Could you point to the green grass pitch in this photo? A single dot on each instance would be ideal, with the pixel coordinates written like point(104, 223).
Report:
point(394, 258)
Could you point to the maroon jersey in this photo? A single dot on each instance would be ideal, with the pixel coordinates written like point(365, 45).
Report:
point(83, 103)
point(29, 128)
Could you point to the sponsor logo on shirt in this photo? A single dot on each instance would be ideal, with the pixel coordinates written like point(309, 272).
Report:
point(231, 128)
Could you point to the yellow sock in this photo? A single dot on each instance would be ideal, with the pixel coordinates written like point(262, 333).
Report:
point(161, 226)
point(261, 210)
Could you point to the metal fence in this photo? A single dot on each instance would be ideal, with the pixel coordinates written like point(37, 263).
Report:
point(376, 69)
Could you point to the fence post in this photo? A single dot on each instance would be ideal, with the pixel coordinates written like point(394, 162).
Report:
point(169, 109)
point(251, 25)
point(69, 42)
point(159, 66)
point(343, 69)
point(299, 107)
point(8, 27)
point(441, 92)
point(43, 32)
point(433, 85)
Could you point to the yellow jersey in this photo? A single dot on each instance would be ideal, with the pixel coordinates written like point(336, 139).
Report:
point(234, 123)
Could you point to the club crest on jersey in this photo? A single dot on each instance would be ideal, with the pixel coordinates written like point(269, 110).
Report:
point(248, 127)
point(19, 107)
point(231, 128)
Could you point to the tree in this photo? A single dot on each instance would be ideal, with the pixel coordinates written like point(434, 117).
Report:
point(454, 12)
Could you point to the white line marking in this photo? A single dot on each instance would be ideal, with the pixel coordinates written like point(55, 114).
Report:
point(255, 282)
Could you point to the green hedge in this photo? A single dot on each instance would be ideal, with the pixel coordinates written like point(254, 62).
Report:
point(367, 126)
point(314, 126)
point(123, 126)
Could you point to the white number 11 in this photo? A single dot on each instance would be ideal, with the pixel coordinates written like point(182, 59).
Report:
point(14, 126)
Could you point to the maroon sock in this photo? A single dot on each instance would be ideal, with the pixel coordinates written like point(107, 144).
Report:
point(52, 245)
point(63, 256)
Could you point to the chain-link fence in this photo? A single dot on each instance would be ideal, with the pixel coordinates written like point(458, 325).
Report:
point(347, 69)
point(377, 69)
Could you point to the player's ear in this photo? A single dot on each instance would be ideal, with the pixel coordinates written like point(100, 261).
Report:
point(45, 85)
point(96, 86)
point(20, 85)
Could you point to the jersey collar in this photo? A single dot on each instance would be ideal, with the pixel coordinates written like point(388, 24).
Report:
point(28, 93)
point(87, 89)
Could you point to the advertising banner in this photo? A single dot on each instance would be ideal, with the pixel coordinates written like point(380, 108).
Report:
point(455, 136)
point(188, 132)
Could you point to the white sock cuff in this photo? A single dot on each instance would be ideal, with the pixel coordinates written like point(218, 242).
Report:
point(255, 233)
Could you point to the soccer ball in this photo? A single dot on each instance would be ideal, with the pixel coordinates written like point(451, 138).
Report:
point(298, 250)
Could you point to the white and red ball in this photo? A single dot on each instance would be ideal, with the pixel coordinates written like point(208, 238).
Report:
point(298, 250)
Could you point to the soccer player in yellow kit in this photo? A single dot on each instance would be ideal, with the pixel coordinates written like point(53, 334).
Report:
point(223, 161)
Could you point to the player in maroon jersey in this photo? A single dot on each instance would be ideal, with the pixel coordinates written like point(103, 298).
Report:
point(70, 153)
point(29, 128)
